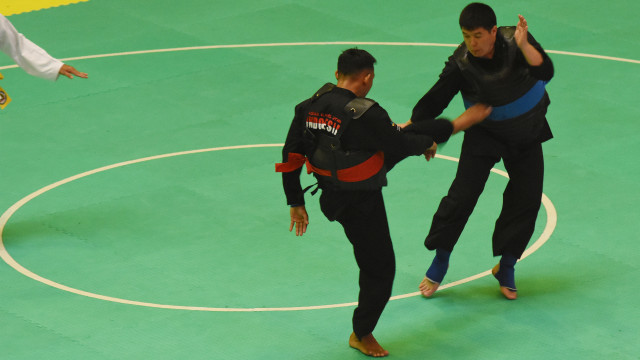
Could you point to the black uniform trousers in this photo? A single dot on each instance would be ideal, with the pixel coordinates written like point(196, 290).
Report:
point(363, 216)
point(521, 198)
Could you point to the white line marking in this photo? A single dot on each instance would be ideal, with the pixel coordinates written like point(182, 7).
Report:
point(601, 57)
point(350, 43)
point(551, 223)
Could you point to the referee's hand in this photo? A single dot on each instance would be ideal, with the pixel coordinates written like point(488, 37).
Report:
point(69, 71)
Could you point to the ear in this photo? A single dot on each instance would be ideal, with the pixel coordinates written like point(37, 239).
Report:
point(367, 76)
point(337, 75)
point(494, 30)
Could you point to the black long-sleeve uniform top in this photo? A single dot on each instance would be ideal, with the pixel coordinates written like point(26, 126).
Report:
point(373, 131)
point(451, 80)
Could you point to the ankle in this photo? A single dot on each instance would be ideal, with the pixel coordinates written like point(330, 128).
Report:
point(439, 266)
point(508, 261)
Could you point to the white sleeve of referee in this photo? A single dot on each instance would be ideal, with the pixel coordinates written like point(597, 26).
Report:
point(29, 56)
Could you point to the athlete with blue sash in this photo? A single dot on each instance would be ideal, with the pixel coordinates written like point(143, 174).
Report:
point(507, 69)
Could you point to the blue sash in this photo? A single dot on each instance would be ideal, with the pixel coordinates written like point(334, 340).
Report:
point(515, 108)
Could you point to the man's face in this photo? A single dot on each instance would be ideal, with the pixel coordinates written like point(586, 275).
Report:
point(480, 42)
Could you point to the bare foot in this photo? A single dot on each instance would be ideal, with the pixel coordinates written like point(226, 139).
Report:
point(367, 345)
point(508, 293)
point(428, 287)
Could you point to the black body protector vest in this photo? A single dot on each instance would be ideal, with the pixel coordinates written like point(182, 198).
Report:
point(500, 87)
point(518, 99)
point(333, 166)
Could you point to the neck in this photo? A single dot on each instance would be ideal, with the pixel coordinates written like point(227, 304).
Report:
point(351, 86)
point(358, 84)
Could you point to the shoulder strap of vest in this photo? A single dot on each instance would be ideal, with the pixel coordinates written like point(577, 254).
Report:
point(507, 32)
point(323, 90)
point(461, 56)
point(358, 106)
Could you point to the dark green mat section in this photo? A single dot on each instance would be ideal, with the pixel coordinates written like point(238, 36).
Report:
point(210, 229)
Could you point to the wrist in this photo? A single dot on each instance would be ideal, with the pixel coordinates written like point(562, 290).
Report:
point(524, 45)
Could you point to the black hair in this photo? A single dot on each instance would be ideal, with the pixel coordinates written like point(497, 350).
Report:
point(477, 15)
point(353, 61)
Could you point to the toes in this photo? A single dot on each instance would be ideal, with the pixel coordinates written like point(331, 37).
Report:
point(509, 294)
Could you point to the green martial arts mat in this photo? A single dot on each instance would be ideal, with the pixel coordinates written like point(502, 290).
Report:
point(142, 217)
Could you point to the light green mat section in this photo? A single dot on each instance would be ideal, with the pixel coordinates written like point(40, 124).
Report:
point(210, 229)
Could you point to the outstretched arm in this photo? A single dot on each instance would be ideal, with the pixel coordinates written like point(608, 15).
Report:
point(30, 57)
point(470, 117)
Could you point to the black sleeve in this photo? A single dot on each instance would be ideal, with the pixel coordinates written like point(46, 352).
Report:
point(545, 70)
point(294, 144)
point(433, 103)
point(394, 142)
point(440, 130)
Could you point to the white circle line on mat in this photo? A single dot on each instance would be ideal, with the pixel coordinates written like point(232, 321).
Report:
point(349, 43)
point(4, 254)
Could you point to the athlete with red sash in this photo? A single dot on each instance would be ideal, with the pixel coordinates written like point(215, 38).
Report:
point(349, 143)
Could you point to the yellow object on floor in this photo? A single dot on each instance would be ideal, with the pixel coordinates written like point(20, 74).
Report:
point(10, 7)
point(4, 97)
